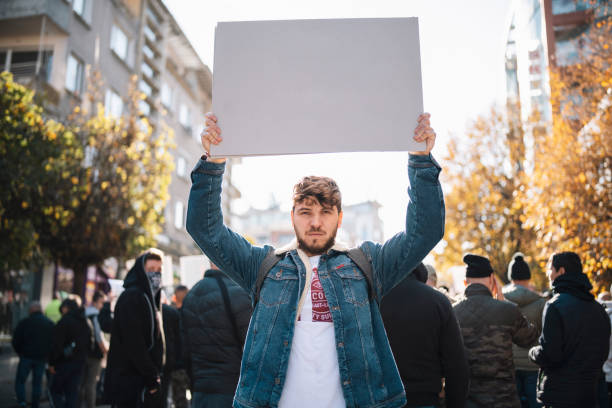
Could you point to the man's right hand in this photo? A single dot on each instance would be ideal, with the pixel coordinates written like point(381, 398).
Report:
point(211, 135)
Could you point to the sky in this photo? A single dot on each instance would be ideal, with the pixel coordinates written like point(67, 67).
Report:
point(462, 70)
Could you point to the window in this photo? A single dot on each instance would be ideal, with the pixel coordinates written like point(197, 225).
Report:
point(166, 95)
point(147, 70)
point(119, 42)
point(74, 74)
point(113, 104)
point(145, 88)
point(83, 9)
point(181, 166)
point(150, 34)
point(185, 116)
point(179, 208)
point(144, 107)
point(148, 52)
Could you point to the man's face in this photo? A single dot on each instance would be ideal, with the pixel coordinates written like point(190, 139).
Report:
point(552, 273)
point(315, 226)
point(98, 304)
point(153, 268)
point(180, 295)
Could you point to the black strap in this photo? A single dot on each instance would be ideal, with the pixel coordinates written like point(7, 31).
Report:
point(365, 264)
point(228, 310)
point(268, 263)
point(356, 254)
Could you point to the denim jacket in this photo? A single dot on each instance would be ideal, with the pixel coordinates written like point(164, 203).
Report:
point(368, 372)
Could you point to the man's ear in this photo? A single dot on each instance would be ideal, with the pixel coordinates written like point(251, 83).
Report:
point(340, 218)
point(465, 283)
point(292, 217)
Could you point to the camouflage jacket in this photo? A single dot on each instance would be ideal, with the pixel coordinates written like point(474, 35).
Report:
point(489, 327)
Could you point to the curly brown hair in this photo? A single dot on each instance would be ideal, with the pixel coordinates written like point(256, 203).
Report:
point(323, 190)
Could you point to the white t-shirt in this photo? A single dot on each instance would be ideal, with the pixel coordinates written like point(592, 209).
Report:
point(313, 375)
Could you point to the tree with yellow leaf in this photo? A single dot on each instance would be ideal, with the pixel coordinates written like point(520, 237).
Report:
point(569, 202)
point(79, 192)
point(117, 192)
point(484, 214)
point(32, 153)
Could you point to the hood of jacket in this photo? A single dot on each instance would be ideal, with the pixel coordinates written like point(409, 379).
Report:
point(136, 278)
point(577, 285)
point(520, 295)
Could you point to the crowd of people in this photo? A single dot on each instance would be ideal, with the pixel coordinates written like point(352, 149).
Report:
point(316, 323)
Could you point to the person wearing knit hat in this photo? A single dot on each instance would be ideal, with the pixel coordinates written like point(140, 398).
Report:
point(489, 327)
point(532, 306)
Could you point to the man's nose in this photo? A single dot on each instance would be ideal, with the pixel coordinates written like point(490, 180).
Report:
point(315, 221)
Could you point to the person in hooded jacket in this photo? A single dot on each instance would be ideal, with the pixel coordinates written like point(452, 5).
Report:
point(72, 338)
point(575, 337)
point(426, 342)
point(531, 305)
point(216, 314)
point(136, 352)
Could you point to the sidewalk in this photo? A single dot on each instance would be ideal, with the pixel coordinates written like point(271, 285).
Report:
point(8, 368)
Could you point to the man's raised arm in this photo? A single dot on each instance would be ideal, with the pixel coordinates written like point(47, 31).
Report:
point(398, 256)
point(233, 254)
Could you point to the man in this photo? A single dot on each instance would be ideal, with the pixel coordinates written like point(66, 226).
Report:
point(72, 338)
point(136, 353)
point(179, 294)
point(174, 373)
point(96, 353)
point(575, 337)
point(531, 305)
point(32, 343)
point(316, 337)
point(216, 314)
point(426, 342)
point(489, 327)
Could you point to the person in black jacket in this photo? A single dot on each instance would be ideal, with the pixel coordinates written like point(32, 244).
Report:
point(426, 342)
point(575, 337)
point(136, 353)
point(174, 371)
point(72, 338)
point(216, 314)
point(32, 343)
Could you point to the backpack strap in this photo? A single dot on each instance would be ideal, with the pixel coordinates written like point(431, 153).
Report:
point(228, 310)
point(364, 263)
point(268, 263)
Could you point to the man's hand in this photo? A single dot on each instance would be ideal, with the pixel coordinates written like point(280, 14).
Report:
point(211, 135)
point(424, 133)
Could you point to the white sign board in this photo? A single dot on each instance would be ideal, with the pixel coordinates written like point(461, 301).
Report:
point(317, 86)
point(193, 268)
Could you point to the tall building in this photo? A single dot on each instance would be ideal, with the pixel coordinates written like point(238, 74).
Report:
point(54, 46)
point(542, 34)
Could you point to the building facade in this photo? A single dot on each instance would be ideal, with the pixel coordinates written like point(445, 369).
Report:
point(542, 34)
point(55, 46)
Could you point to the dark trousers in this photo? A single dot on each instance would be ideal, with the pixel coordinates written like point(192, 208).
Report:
point(526, 385)
point(23, 371)
point(203, 400)
point(66, 382)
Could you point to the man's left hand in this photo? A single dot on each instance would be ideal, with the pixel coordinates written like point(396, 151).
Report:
point(424, 133)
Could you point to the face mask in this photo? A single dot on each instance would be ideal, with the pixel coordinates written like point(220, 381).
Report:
point(155, 281)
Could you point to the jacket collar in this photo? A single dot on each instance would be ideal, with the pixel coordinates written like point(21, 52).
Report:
point(477, 289)
point(338, 246)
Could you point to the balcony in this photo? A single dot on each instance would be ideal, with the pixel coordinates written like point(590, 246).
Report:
point(58, 11)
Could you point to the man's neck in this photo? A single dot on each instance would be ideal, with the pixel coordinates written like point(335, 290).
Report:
point(523, 283)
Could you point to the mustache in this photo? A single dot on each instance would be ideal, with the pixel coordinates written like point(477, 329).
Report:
point(315, 230)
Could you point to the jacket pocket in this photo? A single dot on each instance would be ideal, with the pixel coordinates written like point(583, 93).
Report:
point(278, 286)
point(354, 285)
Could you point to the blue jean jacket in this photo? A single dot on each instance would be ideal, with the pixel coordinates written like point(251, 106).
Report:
point(368, 372)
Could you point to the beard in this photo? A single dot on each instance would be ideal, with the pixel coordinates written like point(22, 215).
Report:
point(319, 248)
